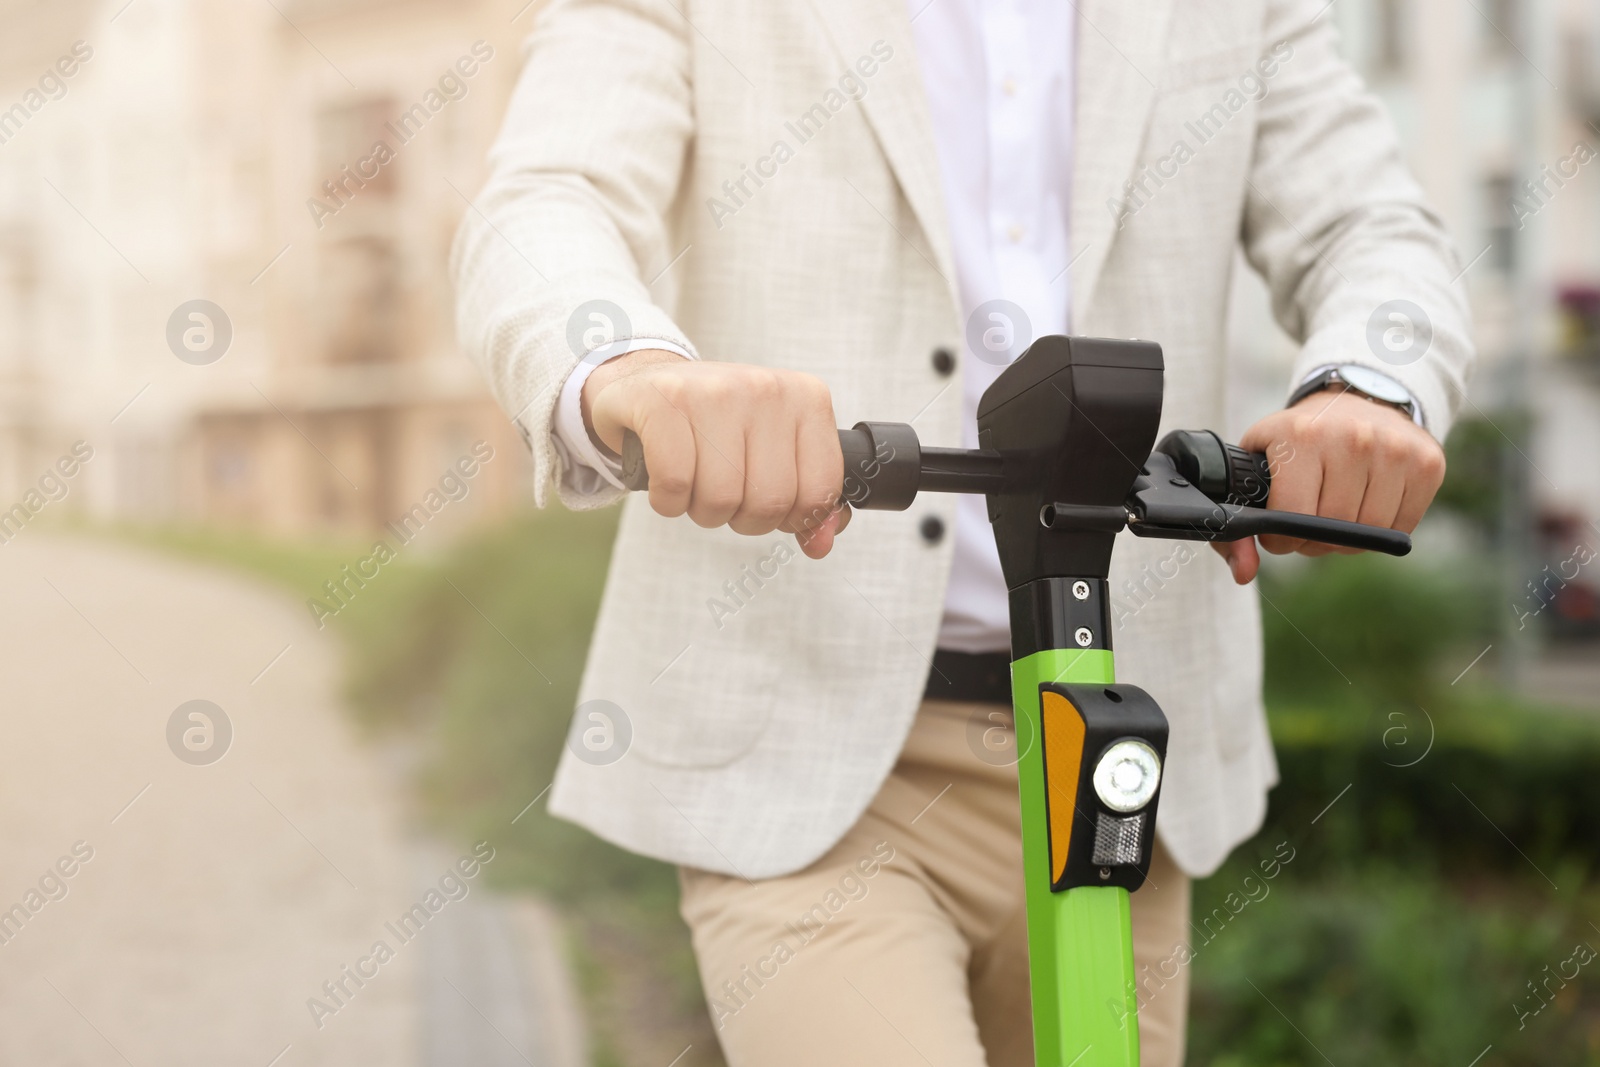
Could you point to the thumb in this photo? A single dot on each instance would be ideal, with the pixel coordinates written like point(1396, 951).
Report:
point(1244, 559)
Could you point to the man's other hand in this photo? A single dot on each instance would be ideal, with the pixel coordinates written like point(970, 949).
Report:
point(1340, 455)
point(754, 448)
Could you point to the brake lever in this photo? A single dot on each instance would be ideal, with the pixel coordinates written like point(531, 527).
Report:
point(1163, 503)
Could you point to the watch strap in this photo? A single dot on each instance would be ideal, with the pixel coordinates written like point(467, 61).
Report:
point(1328, 374)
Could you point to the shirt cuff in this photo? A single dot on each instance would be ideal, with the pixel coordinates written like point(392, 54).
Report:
point(578, 450)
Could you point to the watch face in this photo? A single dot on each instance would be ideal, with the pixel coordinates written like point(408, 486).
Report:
point(1376, 385)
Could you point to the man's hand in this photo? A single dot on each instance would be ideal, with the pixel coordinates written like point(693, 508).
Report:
point(751, 447)
point(1340, 455)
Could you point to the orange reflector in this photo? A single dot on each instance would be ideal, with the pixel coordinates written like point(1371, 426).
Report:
point(1063, 730)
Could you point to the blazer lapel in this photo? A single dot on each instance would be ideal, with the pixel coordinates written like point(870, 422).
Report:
point(1120, 45)
point(896, 108)
point(1120, 49)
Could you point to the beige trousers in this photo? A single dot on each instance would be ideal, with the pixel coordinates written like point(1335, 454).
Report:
point(905, 945)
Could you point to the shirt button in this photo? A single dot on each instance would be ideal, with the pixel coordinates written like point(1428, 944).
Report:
point(944, 361)
point(1015, 233)
point(932, 529)
point(1009, 87)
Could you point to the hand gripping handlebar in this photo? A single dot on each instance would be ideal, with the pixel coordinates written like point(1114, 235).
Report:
point(1194, 487)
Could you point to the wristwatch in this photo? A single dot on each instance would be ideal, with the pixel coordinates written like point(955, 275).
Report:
point(1372, 384)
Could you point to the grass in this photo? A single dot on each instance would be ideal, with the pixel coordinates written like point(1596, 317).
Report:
point(299, 567)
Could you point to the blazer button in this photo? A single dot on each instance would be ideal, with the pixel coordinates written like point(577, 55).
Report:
point(932, 529)
point(944, 361)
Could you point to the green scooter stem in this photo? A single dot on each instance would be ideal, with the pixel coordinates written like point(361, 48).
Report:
point(1080, 941)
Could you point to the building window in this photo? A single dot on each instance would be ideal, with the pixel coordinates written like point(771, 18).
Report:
point(347, 155)
point(360, 301)
point(1499, 30)
point(1500, 223)
point(19, 297)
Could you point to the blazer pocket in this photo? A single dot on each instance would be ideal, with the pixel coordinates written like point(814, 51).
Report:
point(1221, 65)
point(708, 714)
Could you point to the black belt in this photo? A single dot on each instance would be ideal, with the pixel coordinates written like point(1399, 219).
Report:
point(972, 677)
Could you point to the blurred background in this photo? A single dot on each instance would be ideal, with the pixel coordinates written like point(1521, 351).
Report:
point(288, 660)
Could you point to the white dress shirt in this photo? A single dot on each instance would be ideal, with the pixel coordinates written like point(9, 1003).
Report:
point(999, 79)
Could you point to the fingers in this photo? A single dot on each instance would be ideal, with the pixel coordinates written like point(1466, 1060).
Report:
point(770, 479)
point(1350, 458)
point(1344, 484)
point(719, 478)
point(752, 448)
point(1428, 475)
point(669, 456)
point(1380, 505)
point(819, 467)
point(1297, 486)
point(818, 542)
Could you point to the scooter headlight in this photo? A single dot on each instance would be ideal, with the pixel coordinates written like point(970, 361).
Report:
point(1126, 777)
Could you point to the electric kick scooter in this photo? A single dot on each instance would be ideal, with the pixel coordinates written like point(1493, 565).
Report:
point(1059, 432)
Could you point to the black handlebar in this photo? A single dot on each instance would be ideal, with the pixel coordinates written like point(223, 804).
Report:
point(1195, 487)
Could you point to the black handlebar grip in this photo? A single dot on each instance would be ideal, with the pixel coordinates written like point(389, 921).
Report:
point(1225, 473)
point(1249, 477)
point(882, 464)
point(856, 444)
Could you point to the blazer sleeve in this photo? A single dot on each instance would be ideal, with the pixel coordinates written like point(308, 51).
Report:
point(1359, 267)
point(552, 256)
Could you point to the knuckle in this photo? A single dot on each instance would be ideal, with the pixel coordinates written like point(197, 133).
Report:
point(766, 507)
point(671, 482)
point(1431, 464)
point(1360, 438)
point(717, 390)
point(762, 384)
point(815, 393)
point(1395, 448)
point(818, 496)
point(718, 502)
point(671, 389)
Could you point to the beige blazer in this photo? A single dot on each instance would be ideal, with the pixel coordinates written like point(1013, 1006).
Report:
point(754, 738)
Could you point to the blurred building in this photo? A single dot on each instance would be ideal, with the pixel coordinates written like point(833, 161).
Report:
point(181, 159)
point(1488, 96)
point(211, 150)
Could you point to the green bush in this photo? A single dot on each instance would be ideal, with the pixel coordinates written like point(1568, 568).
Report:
point(1367, 629)
point(1382, 966)
point(1475, 483)
point(1427, 772)
point(1483, 785)
point(1432, 825)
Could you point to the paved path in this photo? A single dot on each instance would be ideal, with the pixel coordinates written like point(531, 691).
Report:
point(208, 903)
